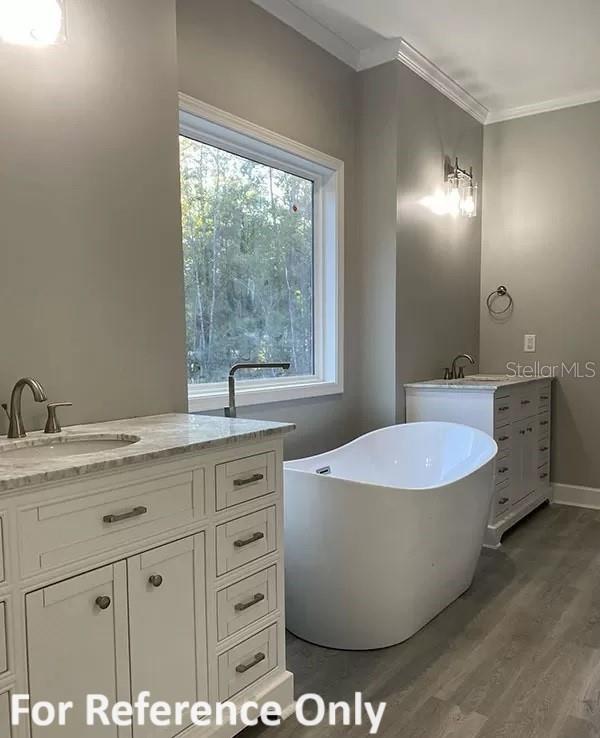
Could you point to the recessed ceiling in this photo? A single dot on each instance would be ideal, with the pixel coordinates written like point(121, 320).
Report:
point(514, 57)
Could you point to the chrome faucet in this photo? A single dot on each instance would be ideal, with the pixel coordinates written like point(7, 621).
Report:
point(459, 373)
point(231, 410)
point(15, 426)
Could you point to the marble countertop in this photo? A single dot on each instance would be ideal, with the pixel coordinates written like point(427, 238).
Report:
point(484, 382)
point(160, 437)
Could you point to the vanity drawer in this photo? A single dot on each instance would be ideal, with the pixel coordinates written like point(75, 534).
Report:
point(244, 479)
point(5, 726)
point(526, 402)
point(3, 637)
point(544, 396)
point(243, 665)
point(503, 469)
point(503, 410)
point(57, 533)
point(244, 602)
point(245, 539)
point(544, 425)
point(543, 452)
point(502, 500)
point(544, 475)
point(503, 437)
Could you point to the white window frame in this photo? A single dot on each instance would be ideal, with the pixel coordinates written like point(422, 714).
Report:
point(207, 124)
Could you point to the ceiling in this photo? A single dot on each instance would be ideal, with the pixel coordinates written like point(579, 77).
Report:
point(498, 58)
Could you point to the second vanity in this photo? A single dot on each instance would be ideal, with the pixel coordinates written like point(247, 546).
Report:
point(148, 560)
point(517, 413)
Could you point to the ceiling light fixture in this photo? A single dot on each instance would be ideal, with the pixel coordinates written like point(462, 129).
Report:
point(32, 22)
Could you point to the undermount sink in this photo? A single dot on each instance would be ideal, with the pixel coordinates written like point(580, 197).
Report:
point(59, 447)
point(487, 378)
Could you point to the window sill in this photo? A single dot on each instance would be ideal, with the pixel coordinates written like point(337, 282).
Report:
point(199, 401)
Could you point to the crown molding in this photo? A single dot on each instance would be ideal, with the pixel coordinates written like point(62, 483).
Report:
point(311, 29)
point(402, 51)
point(559, 103)
point(387, 51)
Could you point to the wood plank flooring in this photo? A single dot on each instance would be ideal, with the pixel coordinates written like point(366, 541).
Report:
point(517, 656)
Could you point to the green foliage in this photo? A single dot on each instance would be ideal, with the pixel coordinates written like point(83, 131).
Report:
point(248, 263)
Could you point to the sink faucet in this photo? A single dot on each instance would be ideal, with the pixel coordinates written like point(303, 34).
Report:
point(15, 426)
point(231, 410)
point(459, 373)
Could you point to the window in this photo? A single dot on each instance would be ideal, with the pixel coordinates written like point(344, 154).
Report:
point(262, 253)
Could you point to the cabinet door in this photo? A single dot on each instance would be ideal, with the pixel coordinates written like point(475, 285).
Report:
point(77, 645)
point(167, 632)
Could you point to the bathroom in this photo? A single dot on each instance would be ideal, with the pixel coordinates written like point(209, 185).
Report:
point(381, 106)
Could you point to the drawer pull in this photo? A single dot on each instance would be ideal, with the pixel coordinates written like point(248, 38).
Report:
point(103, 602)
point(242, 668)
point(530, 430)
point(522, 432)
point(503, 408)
point(544, 448)
point(543, 475)
point(503, 500)
point(248, 480)
point(155, 580)
point(543, 422)
point(544, 397)
point(503, 470)
point(504, 438)
point(525, 402)
point(241, 606)
point(241, 542)
point(135, 513)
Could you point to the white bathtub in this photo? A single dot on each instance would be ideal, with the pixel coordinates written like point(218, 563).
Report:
point(390, 536)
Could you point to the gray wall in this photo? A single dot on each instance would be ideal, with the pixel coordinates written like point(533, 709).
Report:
point(439, 258)
point(90, 262)
point(421, 272)
point(541, 238)
point(239, 58)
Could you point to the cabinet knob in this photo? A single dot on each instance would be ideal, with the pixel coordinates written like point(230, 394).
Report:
point(155, 580)
point(103, 602)
point(503, 500)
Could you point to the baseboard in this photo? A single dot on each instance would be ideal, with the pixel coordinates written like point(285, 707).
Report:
point(576, 496)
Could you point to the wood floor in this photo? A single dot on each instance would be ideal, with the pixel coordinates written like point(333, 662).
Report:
point(518, 656)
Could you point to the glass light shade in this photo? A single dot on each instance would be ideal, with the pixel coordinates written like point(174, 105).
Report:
point(468, 201)
point(453, 197)
point(31, 22)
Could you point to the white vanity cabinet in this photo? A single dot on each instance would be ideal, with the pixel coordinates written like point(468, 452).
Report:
point(163, 576)
point(517, 414)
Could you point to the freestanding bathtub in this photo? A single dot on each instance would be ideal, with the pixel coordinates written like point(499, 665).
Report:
point(385, 532)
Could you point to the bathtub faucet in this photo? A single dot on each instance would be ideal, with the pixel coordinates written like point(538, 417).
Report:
point(458, 372)
point(231, 410)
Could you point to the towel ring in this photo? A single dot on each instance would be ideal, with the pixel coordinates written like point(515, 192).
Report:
point(501, 291)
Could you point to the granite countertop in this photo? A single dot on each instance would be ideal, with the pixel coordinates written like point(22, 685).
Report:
point(484, 382)
point(160, 437)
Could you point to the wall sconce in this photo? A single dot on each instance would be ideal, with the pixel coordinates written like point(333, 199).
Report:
point(459, 194)
point(32, 22)
point(461, 189)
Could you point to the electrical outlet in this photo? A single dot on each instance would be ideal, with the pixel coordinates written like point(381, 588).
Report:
point(529, 342)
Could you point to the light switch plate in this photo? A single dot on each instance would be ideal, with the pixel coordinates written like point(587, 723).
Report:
point(529, 342)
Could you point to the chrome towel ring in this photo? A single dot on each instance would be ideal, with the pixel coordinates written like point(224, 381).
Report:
point(499, 292)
